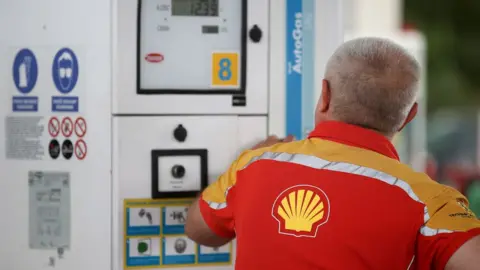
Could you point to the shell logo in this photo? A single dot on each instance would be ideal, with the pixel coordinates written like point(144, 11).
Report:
point(300, 210)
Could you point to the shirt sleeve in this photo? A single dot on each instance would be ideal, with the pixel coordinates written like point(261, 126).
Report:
point(450, 223)
point(218, 201)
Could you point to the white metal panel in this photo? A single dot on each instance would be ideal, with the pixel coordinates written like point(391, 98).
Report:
point(223, 136)
point(45, 27)
point(127, 101)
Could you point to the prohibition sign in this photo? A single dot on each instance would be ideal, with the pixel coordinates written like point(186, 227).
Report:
point(54, 127)
point(81, 149)
point(80, 127)
point(67, 127)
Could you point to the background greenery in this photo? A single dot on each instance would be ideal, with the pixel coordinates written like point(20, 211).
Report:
point(452, 29)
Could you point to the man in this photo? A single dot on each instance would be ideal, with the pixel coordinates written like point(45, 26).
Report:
point(341, 199)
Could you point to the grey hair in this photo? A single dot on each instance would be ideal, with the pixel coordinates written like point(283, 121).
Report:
point(374, 83)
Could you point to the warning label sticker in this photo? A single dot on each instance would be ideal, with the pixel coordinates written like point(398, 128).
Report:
point(81, 149)
point(54, 127)
point(80, 127)
point(67, 127)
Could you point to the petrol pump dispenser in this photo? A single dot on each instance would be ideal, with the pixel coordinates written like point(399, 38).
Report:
point(159, 97)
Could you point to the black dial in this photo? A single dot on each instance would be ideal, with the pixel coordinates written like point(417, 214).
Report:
point(180, 133)
point(178, 171)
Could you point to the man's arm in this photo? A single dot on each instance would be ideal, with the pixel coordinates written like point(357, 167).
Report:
point(210, 219)
point(467, 257)
point(450, 239)
point(197, 229)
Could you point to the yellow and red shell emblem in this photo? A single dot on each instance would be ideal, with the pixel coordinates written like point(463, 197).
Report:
point(300, 210)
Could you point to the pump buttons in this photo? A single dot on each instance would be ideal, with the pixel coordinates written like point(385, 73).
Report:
point(255, 34)
point(180, 133)
point(178, 171)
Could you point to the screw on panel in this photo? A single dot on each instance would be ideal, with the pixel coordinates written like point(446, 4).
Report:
point(60, 252)
point(51, 261)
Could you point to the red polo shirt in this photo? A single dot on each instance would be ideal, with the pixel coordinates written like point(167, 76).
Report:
point(337, 200)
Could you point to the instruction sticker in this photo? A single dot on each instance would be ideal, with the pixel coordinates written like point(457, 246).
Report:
point(155, 236)
point(143, 252)
point(174, 219)
point(225, 69)
point(143, 220)
point(178, 250)
point(23, 137)
point(221, 254)
point(49, 210)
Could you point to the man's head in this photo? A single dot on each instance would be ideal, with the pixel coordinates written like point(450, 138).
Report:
point(370, 82)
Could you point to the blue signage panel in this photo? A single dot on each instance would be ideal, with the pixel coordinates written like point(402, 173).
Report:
point(24, 104)
point(25, 75)
point(308, 78)
point(300, 59)
point(25, 71)
point(64, 104)
point(65, 70)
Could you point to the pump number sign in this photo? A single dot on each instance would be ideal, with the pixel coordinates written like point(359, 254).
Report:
point(225, 70)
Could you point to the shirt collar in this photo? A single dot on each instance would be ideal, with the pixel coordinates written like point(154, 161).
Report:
point(354, 136)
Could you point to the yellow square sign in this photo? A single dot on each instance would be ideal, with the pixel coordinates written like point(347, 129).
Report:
point(225, 69)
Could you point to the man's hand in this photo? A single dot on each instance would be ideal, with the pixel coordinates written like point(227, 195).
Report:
point(271, 140)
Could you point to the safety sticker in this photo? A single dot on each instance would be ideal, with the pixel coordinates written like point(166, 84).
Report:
point(143, 220)
point(142, 252)
point(174, 219)
point(147, 221)
point(54, 127)
point(80, 127)
point(54, 149)
point(178, 250)
point(67, 149)
point(81, 149)
point(225, 69)
point(25, 75)
point(65, 72)
point(67, 127)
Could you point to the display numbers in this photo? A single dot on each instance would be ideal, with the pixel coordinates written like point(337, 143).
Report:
point(195, 7)
point(225, 72)
point(204, 8)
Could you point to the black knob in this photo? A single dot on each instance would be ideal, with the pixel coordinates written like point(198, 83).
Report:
point(180, 133)
point(178, 171)
point(255, 34)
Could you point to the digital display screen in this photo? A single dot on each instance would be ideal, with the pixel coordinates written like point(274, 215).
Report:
point(195, 8)
point(210, 29)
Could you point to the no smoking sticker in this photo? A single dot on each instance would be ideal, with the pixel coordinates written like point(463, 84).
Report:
point(81, 149)
point(80, 127)
point(67, 127)
point(54, 127)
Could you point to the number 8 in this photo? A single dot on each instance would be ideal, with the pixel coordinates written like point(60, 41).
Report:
point(225, 73)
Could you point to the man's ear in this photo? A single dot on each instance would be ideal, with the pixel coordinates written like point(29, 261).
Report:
point(325, 97)
point(411, 114)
